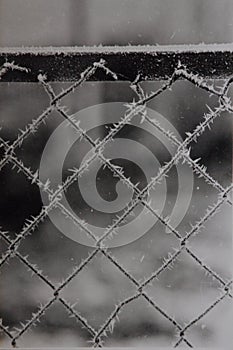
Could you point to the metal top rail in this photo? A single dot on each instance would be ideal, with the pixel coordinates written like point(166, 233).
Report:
point(211, 61)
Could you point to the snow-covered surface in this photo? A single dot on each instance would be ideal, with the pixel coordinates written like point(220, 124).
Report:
point(116, 49)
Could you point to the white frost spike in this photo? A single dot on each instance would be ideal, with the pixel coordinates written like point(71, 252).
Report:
point(47, 185)
point(189, 134)
point(42, 78)
point(143, 117)
point(142, 258)
point(111, 325)
point(35, 177)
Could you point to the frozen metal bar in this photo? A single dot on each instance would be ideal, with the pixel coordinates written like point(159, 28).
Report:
point(151, 62)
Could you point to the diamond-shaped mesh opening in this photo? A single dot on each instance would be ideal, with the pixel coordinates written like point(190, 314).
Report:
point(55, 249)
point(111, 286)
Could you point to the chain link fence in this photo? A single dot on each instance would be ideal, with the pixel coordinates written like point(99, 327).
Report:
point(16, 70)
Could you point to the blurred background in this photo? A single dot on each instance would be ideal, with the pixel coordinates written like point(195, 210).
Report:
point(184, 291)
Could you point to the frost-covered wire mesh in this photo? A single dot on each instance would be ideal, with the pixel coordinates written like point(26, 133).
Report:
point(137, 107)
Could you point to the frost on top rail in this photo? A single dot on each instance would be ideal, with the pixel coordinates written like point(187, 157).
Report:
point(152, 62)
